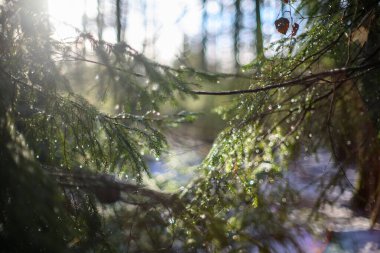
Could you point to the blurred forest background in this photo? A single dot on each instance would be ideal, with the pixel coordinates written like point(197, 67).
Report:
point(189, 126)
point(211, 36)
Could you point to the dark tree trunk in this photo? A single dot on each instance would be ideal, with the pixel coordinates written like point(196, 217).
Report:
point(237, 29)
point(204, 36)
point(118, 20)
point(368, 192)
point(366, 197)
point(259, 33)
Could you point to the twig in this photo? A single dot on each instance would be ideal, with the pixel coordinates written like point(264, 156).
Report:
point(305, 80)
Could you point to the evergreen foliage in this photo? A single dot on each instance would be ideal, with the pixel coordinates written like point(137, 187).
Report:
point(72, 170)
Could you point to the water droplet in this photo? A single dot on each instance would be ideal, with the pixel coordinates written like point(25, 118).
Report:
point(155, 86)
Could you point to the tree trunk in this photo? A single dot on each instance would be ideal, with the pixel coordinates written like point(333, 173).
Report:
point(237, 29)
point(204, 36)
point(259, 33)
point(118, 20)
point(368, 193)
point(100, 19)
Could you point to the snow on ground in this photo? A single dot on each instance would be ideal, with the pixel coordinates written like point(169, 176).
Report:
point(340, 229)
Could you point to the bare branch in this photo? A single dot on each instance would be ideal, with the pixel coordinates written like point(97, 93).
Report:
point(305, 80)
point(93, 182)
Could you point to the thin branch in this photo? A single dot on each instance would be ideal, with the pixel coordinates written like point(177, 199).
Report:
point(89, 180)
point(305, 80)
point(83, 59)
